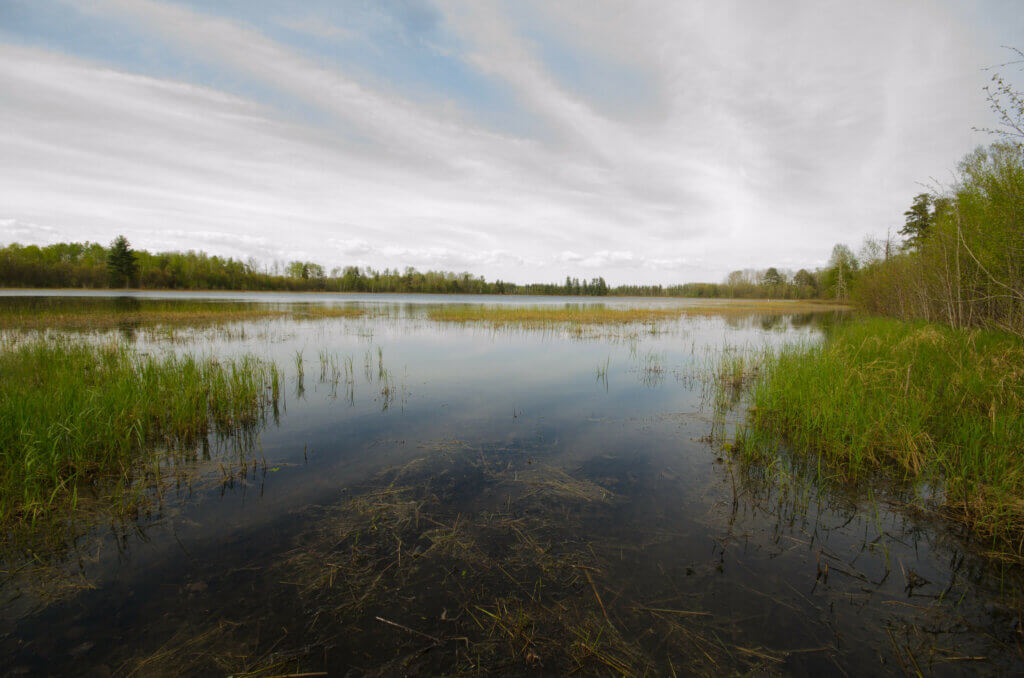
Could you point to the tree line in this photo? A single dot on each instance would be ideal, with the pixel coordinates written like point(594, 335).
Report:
point(92, 265)
point(962, 258)
point(962, 262)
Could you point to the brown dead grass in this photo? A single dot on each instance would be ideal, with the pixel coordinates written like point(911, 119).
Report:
point(542, 316)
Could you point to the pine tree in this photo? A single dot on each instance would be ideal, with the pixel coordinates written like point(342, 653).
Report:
point(121, 264)
point(918, 220)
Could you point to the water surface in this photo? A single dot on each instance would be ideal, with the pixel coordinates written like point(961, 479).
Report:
point(440, 498)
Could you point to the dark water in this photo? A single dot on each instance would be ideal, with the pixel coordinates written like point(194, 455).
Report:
point(469, 500)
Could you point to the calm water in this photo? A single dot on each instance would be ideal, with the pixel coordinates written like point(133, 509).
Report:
point(469, 500)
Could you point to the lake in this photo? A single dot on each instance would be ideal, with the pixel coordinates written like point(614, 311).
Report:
point(456, 498)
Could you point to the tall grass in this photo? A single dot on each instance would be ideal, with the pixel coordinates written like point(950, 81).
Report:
point(924, 402)
point(73, 414)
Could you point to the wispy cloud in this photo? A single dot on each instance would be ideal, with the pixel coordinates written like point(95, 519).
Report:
point(760, 135)
point(317, 27)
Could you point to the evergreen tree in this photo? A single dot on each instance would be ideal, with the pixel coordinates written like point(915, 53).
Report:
point(121, 263)
point(918, 220)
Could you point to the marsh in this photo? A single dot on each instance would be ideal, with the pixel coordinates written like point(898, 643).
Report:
point(456, 497)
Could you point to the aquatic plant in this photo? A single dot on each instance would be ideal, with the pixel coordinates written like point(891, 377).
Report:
point(514, 585)
point(74, 415)
point(936, 406)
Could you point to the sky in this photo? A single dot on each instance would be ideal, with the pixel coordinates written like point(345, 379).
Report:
point(646, 142)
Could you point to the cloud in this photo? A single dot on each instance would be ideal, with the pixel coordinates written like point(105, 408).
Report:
point(360, 251)
point(606, 259)
point(706, 137)
point(352, 247)
point(12, 230)
point(317, 27)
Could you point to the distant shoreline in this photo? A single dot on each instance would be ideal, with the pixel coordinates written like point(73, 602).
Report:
point(115, 290)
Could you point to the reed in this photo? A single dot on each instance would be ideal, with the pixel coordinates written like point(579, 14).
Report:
point(940, 408)
point(75, 414)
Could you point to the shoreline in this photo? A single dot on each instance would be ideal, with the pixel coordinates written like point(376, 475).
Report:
point(107, 291)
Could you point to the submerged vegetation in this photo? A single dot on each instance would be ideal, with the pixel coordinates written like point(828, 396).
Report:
point(485, 559)
point(78, 419)
point(933, 406)
point(470, 559)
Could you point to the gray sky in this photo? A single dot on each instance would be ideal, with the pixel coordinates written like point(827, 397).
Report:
point(643, 141)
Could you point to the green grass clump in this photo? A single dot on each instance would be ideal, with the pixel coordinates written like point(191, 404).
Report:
point(923, 401)
point(75, 414)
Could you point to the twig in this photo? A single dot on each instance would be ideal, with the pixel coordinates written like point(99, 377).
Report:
point(598, 596)
point(437, 641)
